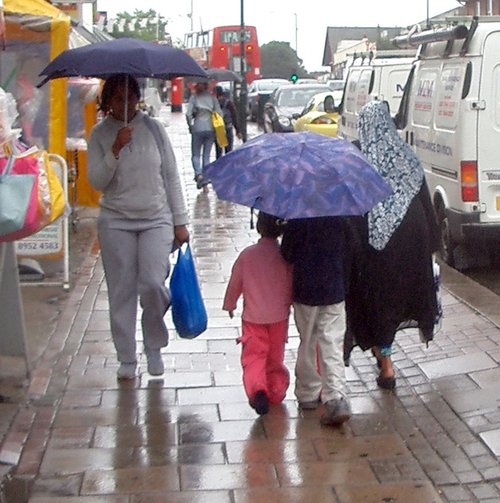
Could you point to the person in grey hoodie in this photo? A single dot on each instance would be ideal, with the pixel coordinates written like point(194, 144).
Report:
point(200, 106)
point(142, 215)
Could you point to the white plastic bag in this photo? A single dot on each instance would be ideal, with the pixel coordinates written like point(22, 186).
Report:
point(8, 114)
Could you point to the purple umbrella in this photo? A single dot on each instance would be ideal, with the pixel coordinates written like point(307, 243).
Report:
point(298, 175)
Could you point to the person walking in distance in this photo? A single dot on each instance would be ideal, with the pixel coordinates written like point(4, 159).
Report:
point(230, 120)
point(264, 280)
point(142, 214)
point(317, 249)
point(200, 106)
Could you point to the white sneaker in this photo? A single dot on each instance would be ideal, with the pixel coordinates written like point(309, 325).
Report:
point(155, 362)
point(337, 411)
point(309, 405)
point(127, 370)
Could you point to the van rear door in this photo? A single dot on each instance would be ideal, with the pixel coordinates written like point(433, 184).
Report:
point(392, 84)
point(355, 96)
point(489, 131)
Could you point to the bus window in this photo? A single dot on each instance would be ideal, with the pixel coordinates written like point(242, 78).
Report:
point(221, 48)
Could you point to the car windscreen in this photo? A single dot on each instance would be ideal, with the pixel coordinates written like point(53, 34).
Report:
point(297, 97)
point(337, 85)
point(268, 86)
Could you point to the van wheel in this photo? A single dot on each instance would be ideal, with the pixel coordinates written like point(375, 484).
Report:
point(447, 244)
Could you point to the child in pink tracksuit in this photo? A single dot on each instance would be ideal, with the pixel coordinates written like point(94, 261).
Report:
point(264, 279)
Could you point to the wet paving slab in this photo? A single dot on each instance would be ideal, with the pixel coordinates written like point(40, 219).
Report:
point(190, 436)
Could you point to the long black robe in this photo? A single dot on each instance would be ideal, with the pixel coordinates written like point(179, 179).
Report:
point(393, 288)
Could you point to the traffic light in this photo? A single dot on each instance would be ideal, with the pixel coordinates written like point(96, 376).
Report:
point(294, 77)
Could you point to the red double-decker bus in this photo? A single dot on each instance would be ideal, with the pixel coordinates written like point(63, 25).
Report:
point(220, 47)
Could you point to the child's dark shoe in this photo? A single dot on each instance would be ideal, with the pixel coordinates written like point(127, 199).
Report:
point(260, 403)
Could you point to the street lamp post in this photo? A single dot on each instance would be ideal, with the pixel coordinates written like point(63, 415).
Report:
point(243, 89)
point(296, 33)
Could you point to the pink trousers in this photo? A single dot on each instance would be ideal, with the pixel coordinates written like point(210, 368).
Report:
point(262, 359)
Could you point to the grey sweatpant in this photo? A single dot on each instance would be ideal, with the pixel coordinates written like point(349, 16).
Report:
point(136, 265)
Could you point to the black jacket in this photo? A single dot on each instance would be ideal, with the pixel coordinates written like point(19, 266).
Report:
point(317, 248)
point(229, 113)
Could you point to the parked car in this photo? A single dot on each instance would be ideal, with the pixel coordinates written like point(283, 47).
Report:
point(320, 115)
point(258, 92)
point(381, 78)
point(304, 81)
point(449, 115)
point(337, 87)
point(336, 84)
point(286, 102)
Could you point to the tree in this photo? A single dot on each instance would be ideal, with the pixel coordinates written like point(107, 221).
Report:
point(279, 60)
point(146, 25)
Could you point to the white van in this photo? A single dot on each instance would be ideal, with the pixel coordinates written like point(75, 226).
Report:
point(380, 78)
point(450, 115)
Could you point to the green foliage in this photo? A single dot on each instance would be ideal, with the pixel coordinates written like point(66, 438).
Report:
point(279, 60)
point(146, 25)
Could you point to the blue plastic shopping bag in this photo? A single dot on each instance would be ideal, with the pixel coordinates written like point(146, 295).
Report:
point(188, 309)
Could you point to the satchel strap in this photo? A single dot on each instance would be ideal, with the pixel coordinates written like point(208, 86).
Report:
point(154, 127)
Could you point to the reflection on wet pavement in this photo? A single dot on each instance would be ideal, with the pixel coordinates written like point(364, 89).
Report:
point(191, 436)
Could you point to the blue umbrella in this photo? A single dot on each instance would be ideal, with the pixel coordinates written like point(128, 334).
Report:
point(298, 175)
point(130, 56)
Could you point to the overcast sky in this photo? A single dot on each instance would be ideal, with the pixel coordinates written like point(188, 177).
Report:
point(278, 19)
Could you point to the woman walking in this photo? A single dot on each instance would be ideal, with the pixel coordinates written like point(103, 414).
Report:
point(200, 106)
point(393, 286)
point(142, 213)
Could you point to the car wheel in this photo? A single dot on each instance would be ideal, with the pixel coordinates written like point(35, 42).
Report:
point(447, 243)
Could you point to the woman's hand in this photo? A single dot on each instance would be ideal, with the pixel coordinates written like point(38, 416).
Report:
point(181, 235)
point(123, 137)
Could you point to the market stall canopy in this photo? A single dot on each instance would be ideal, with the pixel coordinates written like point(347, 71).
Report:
point(91, 36)
point(35, 33)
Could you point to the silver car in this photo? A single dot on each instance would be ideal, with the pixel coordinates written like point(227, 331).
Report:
point(287, 102)
point(258, 93)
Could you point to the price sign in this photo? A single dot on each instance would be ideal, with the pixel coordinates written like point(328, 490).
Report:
point(48, 241)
